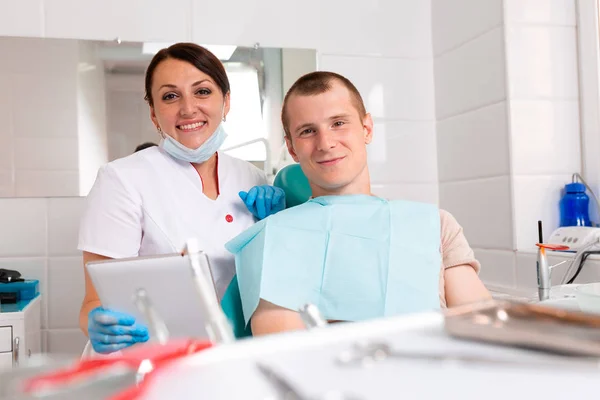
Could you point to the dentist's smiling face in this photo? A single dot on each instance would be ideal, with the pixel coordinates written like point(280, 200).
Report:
point(328, 137)
point(187, 103)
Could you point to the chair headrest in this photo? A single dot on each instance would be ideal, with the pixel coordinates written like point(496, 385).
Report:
point(294, 183)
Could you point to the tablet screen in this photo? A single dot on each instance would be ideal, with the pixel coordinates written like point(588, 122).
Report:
point(168, 282)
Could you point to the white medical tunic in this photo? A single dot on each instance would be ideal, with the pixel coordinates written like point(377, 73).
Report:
point(150, 203)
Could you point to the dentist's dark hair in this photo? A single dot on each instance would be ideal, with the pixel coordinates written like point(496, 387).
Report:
point(194, 54)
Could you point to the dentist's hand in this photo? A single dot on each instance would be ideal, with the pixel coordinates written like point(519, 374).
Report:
point(112, 331)
point(264, 200)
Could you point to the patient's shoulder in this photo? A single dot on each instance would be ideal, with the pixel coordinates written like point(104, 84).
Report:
point(448, 223)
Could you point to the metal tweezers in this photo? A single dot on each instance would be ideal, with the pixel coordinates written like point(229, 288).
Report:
point(379, 351)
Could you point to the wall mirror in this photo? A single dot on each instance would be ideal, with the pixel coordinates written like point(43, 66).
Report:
point(70, 106)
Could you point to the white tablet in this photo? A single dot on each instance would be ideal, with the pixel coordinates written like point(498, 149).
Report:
point(167, 280)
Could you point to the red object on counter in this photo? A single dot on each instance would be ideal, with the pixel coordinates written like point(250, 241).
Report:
point(159, 355)
point(554, 247)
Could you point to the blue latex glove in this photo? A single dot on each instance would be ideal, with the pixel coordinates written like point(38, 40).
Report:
point(264, 200)
point(112, 331)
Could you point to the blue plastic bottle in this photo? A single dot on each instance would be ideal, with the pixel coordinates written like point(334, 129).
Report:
point(574, 206)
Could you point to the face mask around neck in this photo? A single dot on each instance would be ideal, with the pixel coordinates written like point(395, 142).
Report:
point(199, 155)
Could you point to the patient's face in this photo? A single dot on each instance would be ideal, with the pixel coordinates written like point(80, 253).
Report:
point(329, 138)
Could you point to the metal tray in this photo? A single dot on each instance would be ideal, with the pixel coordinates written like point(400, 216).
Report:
point(526, 325)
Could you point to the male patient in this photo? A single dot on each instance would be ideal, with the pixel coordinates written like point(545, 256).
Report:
point(353, 254)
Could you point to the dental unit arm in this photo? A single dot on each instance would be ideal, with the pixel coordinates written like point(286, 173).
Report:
point(217, 326)
point(544, 270)
point(581, 238)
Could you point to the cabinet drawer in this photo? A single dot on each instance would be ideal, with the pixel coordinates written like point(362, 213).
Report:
point(5, 339)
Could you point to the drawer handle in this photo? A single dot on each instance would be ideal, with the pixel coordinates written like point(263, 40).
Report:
point(17, 342)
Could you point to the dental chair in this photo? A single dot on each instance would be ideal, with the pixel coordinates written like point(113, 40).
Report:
point(294, 183)
point(297, 191)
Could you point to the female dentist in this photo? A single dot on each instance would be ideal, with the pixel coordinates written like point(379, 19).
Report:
point(152, 201)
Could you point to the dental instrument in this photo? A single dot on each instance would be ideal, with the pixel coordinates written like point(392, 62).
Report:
point(217, 326)
point(544, 271)
point(311, 316)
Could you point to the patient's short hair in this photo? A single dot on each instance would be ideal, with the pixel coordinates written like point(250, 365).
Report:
point(315, 83)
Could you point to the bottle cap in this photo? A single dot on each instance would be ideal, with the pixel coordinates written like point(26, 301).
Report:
point(575, 187)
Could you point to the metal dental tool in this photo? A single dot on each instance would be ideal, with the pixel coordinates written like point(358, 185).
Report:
point(217, 326)
point(544, 271)
point(156, 325)
point(311, 316)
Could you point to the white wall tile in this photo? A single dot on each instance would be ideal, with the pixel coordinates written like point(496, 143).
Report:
point(483, 208)
point(474, 144)
point(46, 154)
point(424, 192)
point(271, 23)
point(41, 59)
point(403, 152)
point(64, 214)
point(46, 183)
point(52, 112)
point(498, 267)
point(536, 198)
point(6, 152)
point(66, 288)
point(398, 89)
point(526, 271)
point(542, 62)
point(6, 101)
point(7, 184)
point(32, 268)
point(44, 341)
point(21, 18)
point(68, 342)
point(554, 12)
point(545, 137)
point(23, 227)
point(400, 28)
point(134, 20)
point(124, 122)
point(51, 121)
point(456, 22)
point(471, 76)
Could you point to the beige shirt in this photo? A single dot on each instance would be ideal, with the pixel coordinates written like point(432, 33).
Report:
point(455, 249)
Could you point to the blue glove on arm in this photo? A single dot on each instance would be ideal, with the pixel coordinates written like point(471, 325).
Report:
point(112, 331)
point(264, 200)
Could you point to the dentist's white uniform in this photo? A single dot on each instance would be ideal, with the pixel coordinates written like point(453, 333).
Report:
point(150, 203)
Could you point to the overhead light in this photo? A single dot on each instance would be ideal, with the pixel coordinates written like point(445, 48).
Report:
point(223, 52)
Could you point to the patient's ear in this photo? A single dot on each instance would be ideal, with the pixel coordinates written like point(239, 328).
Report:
point(368, 128)
point(290, 148)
